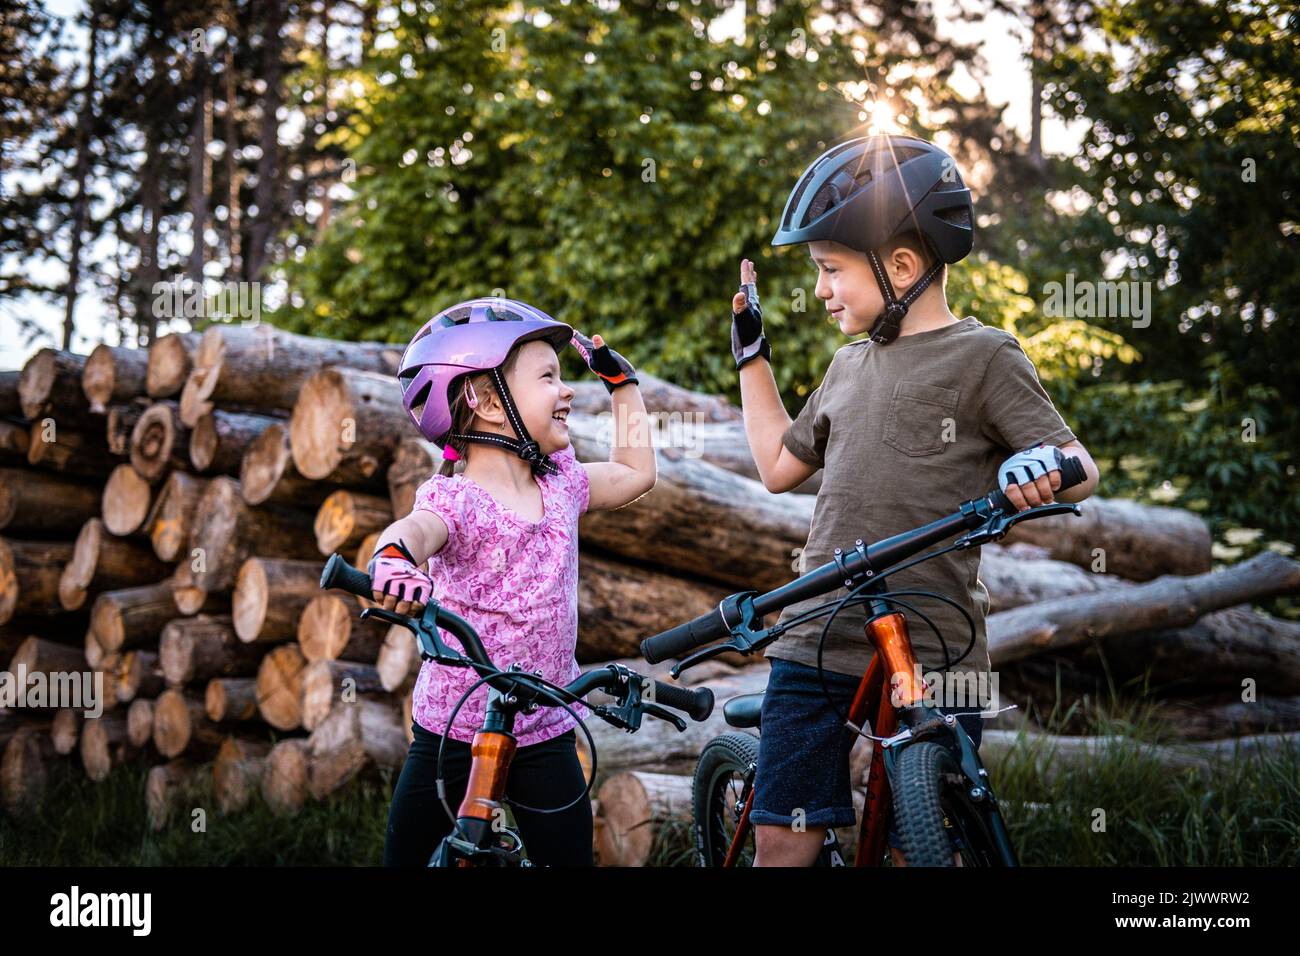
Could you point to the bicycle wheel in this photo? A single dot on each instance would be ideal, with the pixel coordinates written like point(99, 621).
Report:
point(933, 812)
point(717, 789)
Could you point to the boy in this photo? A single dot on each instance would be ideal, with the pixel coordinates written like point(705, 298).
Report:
point(906, 423)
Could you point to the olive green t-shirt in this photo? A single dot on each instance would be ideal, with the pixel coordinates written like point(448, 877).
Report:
point(905, 433)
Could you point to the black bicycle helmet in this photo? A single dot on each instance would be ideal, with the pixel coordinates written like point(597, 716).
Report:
point(873, 189)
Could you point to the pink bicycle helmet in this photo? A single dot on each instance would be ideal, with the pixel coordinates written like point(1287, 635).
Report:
point(473, 336)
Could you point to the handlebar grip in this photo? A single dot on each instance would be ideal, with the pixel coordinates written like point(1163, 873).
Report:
point(684, 637)
point(696, 703)
point(1072, 473)
point(343, 576)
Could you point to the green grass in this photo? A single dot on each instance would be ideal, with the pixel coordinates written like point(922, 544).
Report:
point(80, 823)
point(1246, 815)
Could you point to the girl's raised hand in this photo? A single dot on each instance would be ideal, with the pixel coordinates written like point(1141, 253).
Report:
point(609, 366)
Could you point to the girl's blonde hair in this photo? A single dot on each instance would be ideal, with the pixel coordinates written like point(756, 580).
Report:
point(462, 416)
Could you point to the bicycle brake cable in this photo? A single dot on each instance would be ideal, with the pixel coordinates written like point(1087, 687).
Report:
point(535, 681)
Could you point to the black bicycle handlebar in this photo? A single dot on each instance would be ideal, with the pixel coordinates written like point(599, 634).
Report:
point(696, 703)
point(877, 557)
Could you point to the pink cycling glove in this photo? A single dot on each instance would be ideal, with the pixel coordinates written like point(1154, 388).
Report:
point(393, 571)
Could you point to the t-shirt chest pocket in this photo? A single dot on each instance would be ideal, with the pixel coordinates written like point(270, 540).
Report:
point(922, 418)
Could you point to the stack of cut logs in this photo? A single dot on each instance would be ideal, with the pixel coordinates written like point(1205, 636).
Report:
point(164, 517)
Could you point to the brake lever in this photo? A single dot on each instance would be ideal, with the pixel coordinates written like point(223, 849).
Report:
point(664, 713)
point(426, 634)
point(1000, 523)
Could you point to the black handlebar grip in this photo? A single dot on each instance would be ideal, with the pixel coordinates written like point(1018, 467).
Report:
point(684, 637)
point(339, 574)
point(1072, 473)
point(696, 703)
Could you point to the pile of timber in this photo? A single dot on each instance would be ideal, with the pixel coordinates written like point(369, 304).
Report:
point(164, 517)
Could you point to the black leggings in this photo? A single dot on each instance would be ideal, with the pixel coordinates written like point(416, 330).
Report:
point(542, 775)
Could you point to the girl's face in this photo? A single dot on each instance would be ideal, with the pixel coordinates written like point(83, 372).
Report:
point(847, 285)
point(543, 401)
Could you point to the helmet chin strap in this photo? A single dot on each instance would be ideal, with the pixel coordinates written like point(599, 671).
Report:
point(524, 446)
point(890, 322)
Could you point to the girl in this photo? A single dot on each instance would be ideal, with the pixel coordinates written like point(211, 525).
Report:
point(497, 543)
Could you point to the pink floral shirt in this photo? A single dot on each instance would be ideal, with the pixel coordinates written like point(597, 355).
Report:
point(516, 581)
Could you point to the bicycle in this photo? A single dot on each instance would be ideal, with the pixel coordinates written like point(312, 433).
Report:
point(479, 837)
point(914, 774)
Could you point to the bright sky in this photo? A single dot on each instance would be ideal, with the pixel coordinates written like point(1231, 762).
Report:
point(1002, 40)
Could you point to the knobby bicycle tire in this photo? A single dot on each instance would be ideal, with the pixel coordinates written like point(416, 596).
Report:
point(932, 806)
point(715, 788)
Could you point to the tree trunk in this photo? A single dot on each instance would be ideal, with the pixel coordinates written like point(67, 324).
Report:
point(221, 438)
point(346, 426)
point(352, 739)
point(270, 597)
point(50, 386)
point(328, 685)
point(263, 367)
point(268, 162)
point(194, 650)
point(159, 442)
point(132, 617)
point(65, 730)
point(24, 769)
point(84, 454)
point(139, 722)
point(165, 789)
point(171, 519)
point(399, 661)
point(346, 517)
point(237, 771)
point(29, 576)
point(228, 531)
point(284, 778)
point(113, 376)
point(634, 808)
point(41, 504)
point(332, 629)
point(1167, 602)
point(180, 725)
point(267, 474)
point(104, 742)
point(102, 562)
point(126, 501)
point(1135, 541)
point(169, 364)
point(121, 423)
point(279, 687)
point(229, 699)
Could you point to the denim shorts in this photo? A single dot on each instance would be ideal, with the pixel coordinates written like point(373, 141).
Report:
point(803, 749)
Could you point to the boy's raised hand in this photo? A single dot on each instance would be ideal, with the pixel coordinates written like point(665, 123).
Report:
point(612, 368)
point(747, 339)
point(1030, 478)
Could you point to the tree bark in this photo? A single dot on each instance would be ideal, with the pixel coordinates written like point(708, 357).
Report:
point(50, 386)
point(171, 519)
point(229, 699)
point(29, 576)
point(180, 725)
point(102, 562)
point(352, 739)
point(221, 438)
point(263, 367)
point(237, 771)
point(328, 685)
point(634, 808)
point(42, 504)
point(267, 474)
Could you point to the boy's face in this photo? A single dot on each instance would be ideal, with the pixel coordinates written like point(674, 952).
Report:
point(540, 395)
point(847, 285)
